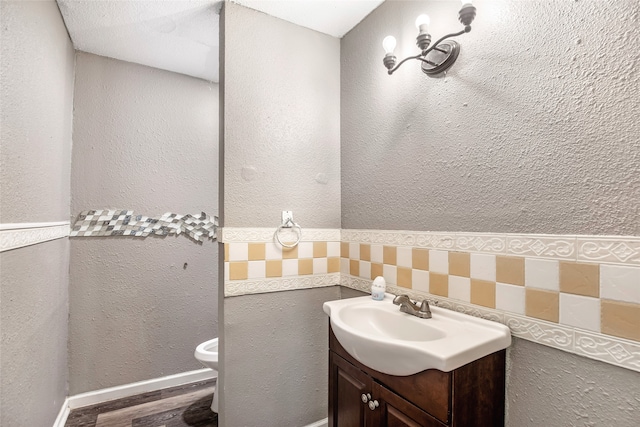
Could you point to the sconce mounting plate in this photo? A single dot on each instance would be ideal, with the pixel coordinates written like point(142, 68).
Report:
point(441, 61)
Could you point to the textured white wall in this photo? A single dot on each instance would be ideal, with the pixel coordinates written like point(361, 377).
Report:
point(146, 140)
point(36, 94)
point(282, 122)
point(37, 78)
point(281, 95)
point(534, 129)
point(549, 387)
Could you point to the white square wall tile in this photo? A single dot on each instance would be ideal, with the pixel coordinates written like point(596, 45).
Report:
point(333, 249)
point(510, 298)
point(238, 251)
point(354, 250)
point(404, 256)
point(460, 288)
point(256, 269)
point(226, 271)
point(542, 274)
point(620, 283)
point(580, 312)
point(376, 253)
point(305, 250)
point(420, 280)
point(439, 261)
point(289, 267)
point(320, 266)
point(390, 274)
point(483, 267)
point(344, 266)
point(365, 269)
point(272, 251)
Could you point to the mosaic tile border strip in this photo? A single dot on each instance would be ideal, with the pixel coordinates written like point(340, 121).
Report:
point(117, 222)
point(605, 348)
point(623, 250)
point(14, 236)
point(246, 287)
point(240, 235)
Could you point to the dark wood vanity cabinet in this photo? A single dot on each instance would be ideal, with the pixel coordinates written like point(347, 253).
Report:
point(470, 396)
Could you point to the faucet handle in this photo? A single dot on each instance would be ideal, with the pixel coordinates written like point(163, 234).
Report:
point(399, 299)
point(424, 307)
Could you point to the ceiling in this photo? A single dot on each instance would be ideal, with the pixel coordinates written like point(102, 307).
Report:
point(182, 35)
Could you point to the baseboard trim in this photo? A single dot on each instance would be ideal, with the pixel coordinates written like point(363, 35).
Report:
point(61, 419)
point(126, 390)
point(321, 423)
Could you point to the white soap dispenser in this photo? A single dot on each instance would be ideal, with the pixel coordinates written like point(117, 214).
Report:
point(378, 288)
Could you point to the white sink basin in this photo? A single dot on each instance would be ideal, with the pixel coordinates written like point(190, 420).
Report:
point(380, 336)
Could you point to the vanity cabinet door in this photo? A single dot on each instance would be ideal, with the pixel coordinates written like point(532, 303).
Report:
point(394, 411)
point(347, 385)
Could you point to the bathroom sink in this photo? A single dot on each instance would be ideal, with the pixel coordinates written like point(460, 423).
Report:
point(380, 336)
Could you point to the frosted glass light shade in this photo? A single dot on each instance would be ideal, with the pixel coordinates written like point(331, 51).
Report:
point(389, 44)
point(422, 22)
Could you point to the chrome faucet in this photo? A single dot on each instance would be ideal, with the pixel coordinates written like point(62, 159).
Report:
point(407, 306)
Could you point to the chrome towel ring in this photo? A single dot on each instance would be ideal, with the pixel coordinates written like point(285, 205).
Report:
point(288, 224)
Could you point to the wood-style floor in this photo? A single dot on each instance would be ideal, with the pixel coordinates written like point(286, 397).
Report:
point(183, 406)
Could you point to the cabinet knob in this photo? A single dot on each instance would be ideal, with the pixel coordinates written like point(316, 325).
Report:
point(373, 404)
point(365, 397)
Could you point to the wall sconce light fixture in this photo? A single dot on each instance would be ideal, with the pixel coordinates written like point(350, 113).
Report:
point(442, 54)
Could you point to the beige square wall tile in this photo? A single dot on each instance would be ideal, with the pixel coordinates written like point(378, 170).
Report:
point(305, 266)
point(354, 267)
point(510, 269)
point(365, 252)
point(274, 268)
point(420, 259)
point(439, 284)
point(344, 249)
point(376, 270)
point(238, 270)
point(404, 277)
point(290, 253)
point(542, 304)
point(257, 251)
point(580, 279)
point(620, 319)
point(389, 255)
point(460, 264)
point(333, 265)
point(319, 249)
point(226, 252)
point(483, 293)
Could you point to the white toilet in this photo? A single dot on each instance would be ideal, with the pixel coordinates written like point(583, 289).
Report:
point(207, 354)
